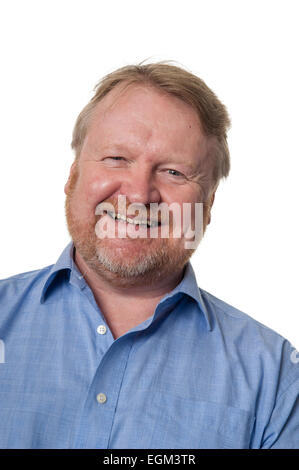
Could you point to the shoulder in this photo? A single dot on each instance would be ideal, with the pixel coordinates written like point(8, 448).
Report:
point(20, 287)
point(226, 314)
point(259, 345)
point(21, 279)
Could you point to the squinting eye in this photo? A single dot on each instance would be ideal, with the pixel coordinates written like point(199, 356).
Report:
point(175, 173)
point(116, 161)
point(116, 158)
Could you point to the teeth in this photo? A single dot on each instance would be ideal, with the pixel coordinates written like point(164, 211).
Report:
point(131, 221)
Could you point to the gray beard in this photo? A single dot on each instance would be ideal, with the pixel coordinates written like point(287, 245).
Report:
point(148, 269)
point(149, 264)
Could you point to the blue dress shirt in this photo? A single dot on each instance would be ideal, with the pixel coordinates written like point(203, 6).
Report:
point(197, 374)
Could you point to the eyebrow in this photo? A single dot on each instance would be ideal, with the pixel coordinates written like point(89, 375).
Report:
point(119, 148)
point(115, 147)
point(125, 148)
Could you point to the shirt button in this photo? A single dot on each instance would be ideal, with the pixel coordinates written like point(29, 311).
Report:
point(101, 398)
point(101, 329)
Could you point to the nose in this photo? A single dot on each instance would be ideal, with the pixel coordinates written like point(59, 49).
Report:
point(140, 187)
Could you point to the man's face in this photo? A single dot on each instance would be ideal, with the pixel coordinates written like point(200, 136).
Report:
point(149, 147)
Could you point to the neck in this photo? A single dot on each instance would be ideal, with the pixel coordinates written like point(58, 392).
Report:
point(125, 307)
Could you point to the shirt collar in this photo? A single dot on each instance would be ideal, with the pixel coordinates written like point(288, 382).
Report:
point(65, 262)
point(189, 287)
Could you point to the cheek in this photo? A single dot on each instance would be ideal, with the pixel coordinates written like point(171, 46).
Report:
point(180, 195)
point(189, 212)
point(95, 188)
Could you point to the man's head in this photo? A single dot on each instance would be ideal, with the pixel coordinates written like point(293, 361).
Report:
point(154, 134)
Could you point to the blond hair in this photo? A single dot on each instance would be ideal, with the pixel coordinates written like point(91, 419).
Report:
point(175, 81)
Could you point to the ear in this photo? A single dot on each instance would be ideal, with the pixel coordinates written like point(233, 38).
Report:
point(72, 172)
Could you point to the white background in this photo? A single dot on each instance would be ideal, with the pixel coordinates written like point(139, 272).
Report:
point(52, 55)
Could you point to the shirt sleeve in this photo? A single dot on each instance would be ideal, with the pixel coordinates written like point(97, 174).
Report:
point(282, 431)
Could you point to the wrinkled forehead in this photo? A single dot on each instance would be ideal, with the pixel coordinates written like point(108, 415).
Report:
point(136, 95)
point(140, 107)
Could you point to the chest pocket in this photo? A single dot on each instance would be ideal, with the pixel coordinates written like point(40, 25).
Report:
point(184, 423)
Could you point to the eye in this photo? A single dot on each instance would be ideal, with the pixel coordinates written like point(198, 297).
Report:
point(175, 173)
point(114, 158)
point(115, 161)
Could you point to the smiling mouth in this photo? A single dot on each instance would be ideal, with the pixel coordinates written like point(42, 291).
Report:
point(138, 222)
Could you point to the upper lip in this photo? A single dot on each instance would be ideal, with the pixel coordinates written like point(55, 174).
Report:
point(144, 215)
point(134, 220)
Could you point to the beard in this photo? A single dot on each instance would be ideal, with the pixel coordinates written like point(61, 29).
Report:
point(124, 262)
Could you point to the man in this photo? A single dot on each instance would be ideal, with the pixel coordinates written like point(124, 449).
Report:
point(115, 346)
